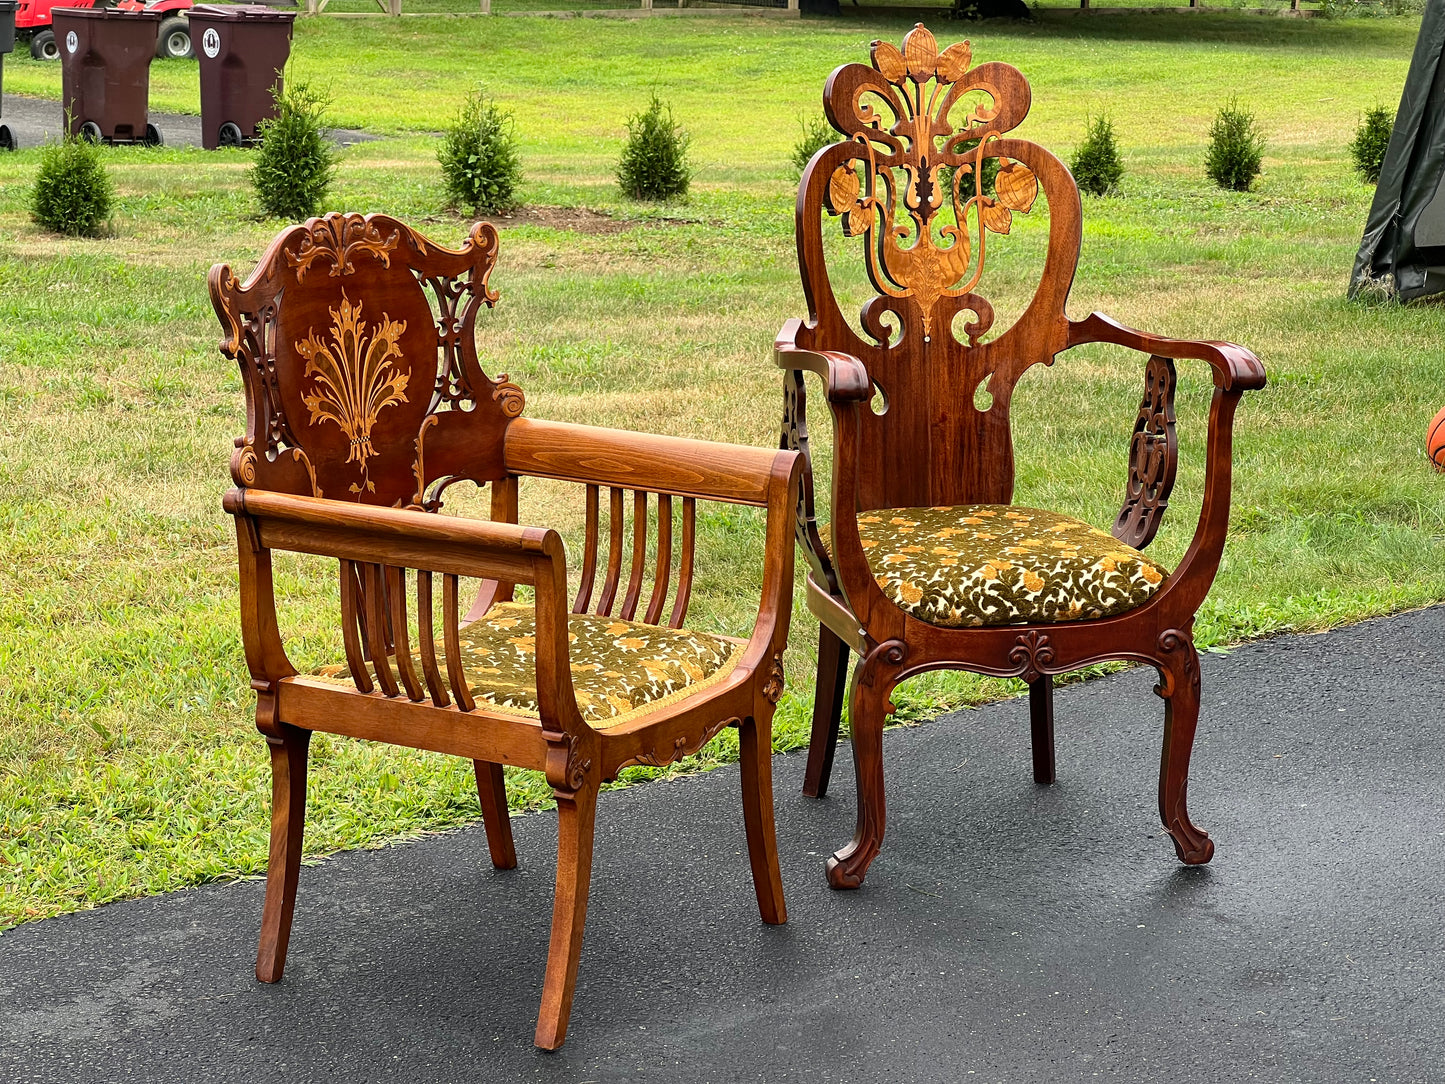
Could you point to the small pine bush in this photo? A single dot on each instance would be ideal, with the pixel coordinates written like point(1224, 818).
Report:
point(654, 162)
point(817, 134)
point(1236, 148)
point(479, 159)
point(73, 191)
point(1371, 139)
point(1096, 165)
point(296, 162)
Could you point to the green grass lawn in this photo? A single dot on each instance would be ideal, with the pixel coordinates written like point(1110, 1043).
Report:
point(128, 761)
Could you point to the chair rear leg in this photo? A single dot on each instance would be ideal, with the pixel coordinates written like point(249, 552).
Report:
point(283, 870)
point(1180, 689)
point(1041, 718)
point(492, 790)
point(827, 711)
point(849, 865)
point(756, 750)
point(576, 819)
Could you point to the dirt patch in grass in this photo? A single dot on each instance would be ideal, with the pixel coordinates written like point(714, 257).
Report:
point(577, 219)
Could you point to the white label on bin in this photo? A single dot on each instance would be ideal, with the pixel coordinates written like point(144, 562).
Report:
point(72, 43)
point(211, 42)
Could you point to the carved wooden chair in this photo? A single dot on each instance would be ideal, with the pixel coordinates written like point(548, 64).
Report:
point(365, 402)
point(926, 565)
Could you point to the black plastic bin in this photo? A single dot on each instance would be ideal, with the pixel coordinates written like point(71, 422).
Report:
point(7, 44)
point(105, 72)
point(242, 52)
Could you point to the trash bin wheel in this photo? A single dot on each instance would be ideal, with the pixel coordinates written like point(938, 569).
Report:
point(7, 138)
point(173, 42)
point(43, 47)
point(153, 136)
point(230, 135)
point(90, 132)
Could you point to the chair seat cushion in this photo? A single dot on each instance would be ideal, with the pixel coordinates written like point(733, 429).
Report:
point(620, 669)
point(996, 564)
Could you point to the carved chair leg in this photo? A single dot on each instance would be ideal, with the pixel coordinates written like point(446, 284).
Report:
point(283, 870)
point(492, 790)
point(849, 865)
point(828, 695)
point(1041, 718)
point(1179, 667)
point(756, 741)
point(576, 819)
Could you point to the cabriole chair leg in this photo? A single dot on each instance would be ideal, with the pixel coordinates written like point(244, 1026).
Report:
point(1180, 690)
point(848, 866)
point(283, 869)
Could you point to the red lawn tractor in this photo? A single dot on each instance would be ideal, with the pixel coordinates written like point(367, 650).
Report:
point(32, 18)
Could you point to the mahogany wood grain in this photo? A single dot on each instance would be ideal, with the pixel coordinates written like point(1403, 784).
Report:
point(365, 403)
point(907, 122)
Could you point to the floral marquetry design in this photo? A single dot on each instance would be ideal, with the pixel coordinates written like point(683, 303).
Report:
point(355, 378)
point(901, 185)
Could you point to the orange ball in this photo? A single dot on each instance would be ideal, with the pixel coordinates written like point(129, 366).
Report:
point(1435, 441)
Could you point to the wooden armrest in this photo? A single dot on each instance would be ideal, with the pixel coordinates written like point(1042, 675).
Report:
point(1235, 368)
point(845, 378)
point(397, 537)
point(703, 469)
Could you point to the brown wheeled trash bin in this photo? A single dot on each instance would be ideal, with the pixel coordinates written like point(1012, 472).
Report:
point(105, 70)
point(242, 52)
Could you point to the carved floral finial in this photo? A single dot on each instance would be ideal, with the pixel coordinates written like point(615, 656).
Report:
point(921, 161)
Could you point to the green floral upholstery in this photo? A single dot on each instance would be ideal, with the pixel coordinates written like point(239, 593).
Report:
point(996, 564)
point(619, 668)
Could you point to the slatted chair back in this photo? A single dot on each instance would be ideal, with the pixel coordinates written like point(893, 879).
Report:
point(920, 127)
point(355, 337)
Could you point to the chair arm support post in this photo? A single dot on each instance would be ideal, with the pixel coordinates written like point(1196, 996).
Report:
point(1191, 580)
point(260, 632)
point(775, 610)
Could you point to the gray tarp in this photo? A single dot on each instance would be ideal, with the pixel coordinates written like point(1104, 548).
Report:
point(1405, 233)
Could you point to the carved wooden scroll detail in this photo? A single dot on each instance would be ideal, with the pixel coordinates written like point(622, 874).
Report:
point(1153, 458)
point(773, 690)
point(910, 188)
point(335, 239)
point(795, 439)
point(1032, 653)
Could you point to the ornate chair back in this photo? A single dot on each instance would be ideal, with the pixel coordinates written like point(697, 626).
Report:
point(355, 338)
point(921, 127)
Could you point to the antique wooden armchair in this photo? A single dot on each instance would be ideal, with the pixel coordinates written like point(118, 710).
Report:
point(925, 564)
point(365, 402)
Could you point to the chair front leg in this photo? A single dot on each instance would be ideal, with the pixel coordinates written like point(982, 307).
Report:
point(1178, 665)
point(576, 820)
point(756, 748)
point(1041, 722)
point(828, 692)
point(872, 683)
point(492, 792)
point(283, 870)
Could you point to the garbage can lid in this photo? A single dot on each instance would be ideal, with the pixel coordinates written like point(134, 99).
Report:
point(238, 12)
point(107, 13)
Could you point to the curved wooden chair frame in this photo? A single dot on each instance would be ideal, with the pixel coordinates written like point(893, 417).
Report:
point(932, 446)
point(349, 459)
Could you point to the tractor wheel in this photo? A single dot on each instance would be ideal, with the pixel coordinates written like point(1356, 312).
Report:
point(174, 40)
point(43, 47)
point(90, 132)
